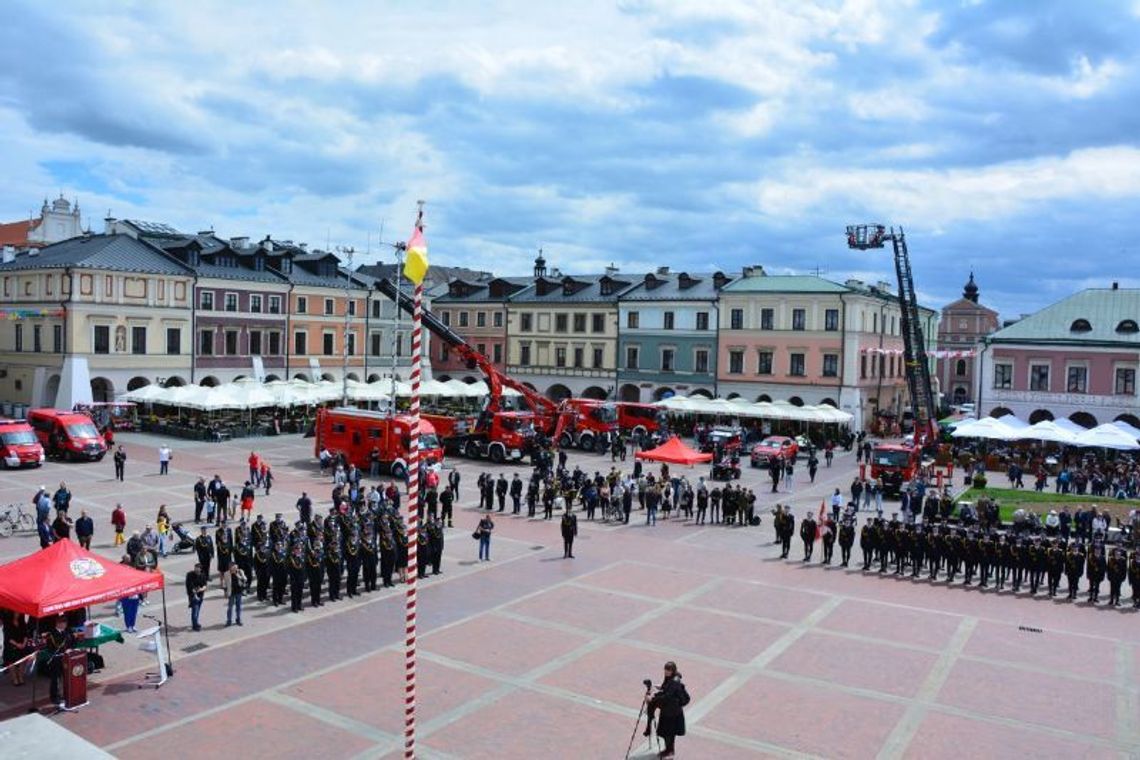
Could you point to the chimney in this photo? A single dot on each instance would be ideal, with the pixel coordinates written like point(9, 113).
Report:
point(611, 270)
point(720, 279)
point(853, 283)
point(109, 225)
point(1115, 285)
point(239, 243)
point(205, 233)
point(662, 270)
point(9, 254)
point(756, 270)
point(883, 285)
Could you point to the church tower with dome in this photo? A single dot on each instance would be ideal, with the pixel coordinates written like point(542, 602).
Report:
point(964, 324)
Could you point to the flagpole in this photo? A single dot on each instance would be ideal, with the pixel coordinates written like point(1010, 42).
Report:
point(413, 521)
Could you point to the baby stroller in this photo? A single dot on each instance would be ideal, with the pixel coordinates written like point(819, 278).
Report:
point(184, 542)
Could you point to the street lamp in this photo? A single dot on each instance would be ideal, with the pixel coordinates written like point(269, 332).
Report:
point(348, 252)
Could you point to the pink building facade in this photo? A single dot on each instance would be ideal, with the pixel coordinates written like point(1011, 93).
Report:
point(964, 324)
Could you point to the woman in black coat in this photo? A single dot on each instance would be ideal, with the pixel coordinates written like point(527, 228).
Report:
point(669, 701)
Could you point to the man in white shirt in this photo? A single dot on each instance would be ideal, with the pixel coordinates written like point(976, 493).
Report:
point(164, 455)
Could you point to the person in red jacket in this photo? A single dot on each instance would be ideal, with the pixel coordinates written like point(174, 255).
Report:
point(254, 468)
point(119, 520)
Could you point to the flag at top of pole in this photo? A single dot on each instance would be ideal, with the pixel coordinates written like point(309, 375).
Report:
point(416, 261)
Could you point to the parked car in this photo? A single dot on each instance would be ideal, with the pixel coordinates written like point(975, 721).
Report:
point(773, 446)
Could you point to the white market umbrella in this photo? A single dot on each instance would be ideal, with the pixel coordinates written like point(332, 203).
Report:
point(1046, 430)
point(1130, 429)
point(1107, 436)
point(147, 394)
point(988, 428)
point(1013, 421)
point(1066, 424)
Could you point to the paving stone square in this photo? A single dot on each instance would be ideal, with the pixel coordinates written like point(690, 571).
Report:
point(859, 664)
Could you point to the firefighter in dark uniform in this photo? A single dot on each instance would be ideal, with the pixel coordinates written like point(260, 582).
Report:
point(369, 548)
point(988, 559)
point(807, 534)
point(1007, 554)
point(261, 565)
point(972, 552)
point(400, 532)
point(950, 554)
point(904, 541)
point(278, 529)
point(827, 526)
point(1020, 562)
point(315, 565)
point(1134, 577)
point(918, 550)
point(934, 552)
point(297, 566)
point(1074, 567)
point(1095, 568)
point(387, 542)
point(435, 545)
point(867, 543)
point(204, 548)
point(1055, 564)
point(886, 544)
point(788, 531)
point(243, 548)
point(1037, 562)
point(334, 564)
point(278, 564)
point(351, 556)
point(846, 541)
point(1117, 571)
point(447, 502)
point(423, 552)
point(224, 544)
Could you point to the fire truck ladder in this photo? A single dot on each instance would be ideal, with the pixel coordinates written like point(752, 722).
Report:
point(916, 363)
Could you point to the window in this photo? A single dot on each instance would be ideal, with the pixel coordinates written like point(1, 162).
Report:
point(57, 338)
point(464, 318)
point(1003, 376)
point(20, 337)
point(206, 343)
point(206, 300)
point(560, 322)
point(37, 345)
point(497, 319)
point(398, 341)
point(1039, 377)
point(255, 304)
point(351, 305)
point(796, 365)
point(231, 342)
point(328, 344)
point(350, 344)
point(526, 322)
point(138, 340)
point(875, 322)
point(1077, 380)
point(302, 306)
point(300, 343)
point(579, 357)
point(668, 321)
point(831, 365)
point(1125, 381)
point(667, 359)
point(702, 320)
point(891, 367)
point(799, 319)
point(598, 323)
point(764, 363)
point(445, 317)
point(831, 319)
point(497, 353)
point(599, 355)
point(560, 356)
point(736, 362)
point(480, 319)
point(231, 302)
point(863, 367)
point(377, 341)
point(274, 344)
point(330, 306)
point(632, 357)
point(255, 343)
point(767, 319)
point(736, 319)
point(1128, 326)
point(960, 368)
point(274, 304)
point(701, 360)
point(579, 323)
point(101, 339)
point(633, 320)
point(444, 353)
point(481, 348)
point(524, 355)
point(1080, 325)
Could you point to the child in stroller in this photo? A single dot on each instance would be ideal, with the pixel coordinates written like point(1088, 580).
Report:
point(183, 542)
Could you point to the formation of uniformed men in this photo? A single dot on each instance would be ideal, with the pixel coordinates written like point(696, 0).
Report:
point(987, 557)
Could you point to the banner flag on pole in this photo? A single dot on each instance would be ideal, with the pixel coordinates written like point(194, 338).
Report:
point(416, 260)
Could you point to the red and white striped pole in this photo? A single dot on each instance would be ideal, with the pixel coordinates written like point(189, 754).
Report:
point(413, 536)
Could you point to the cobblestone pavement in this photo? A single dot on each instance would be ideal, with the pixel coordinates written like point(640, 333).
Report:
point(531, 655)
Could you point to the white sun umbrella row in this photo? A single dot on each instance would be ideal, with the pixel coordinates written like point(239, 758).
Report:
point(1108, 436)
point(738, 407)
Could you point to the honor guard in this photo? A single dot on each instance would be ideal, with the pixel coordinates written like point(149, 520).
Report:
point(278, 569)
point(297, 566)
point(333, 563)
point(400, 532)
point(1055, 565)
point(352, 556)
point(387, 544)
point(1074, 567)
point(224, 543)
point(315, 565)
point(261, 565)
point(1117, 571)
point(867, 543)
point(243, 548)
point(435, 545)
point(204, 548)
point(369, 551)
point(1095, 569)
point(1134, 576)
point(846, 541)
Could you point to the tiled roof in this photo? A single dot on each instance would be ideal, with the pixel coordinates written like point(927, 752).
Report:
point(588, 289)
point(16, 233)
point(1102, 308)
point(479, 291)
point(668, 287)
point(119, 253)
point(239, 273)
point(785, 283)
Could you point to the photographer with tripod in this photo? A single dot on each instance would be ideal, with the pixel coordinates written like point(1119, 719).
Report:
point(669, 702)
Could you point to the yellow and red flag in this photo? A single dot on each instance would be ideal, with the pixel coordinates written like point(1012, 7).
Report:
point(416, 260)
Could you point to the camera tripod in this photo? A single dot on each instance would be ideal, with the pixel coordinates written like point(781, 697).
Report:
point(649, 718)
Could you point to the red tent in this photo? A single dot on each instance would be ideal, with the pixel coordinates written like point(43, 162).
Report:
point(674, 452)
point(65, 577)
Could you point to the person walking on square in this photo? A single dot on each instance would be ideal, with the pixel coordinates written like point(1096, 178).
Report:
point(483, 532)
point(119, 522)
point(120, 459)
point(807, 534)
point(164, 457)
point(569, 531)
point(84, 529)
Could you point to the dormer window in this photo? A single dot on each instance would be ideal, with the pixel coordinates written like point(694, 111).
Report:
point(259, 263)
point(1080, 326)
point(1128, 326)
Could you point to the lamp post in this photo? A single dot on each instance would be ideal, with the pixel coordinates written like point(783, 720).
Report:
point(348, 252)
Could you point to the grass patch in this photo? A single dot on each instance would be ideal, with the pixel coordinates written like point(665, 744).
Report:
point(1011, 499)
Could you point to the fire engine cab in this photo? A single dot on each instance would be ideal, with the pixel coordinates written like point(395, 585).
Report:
point(355, 432)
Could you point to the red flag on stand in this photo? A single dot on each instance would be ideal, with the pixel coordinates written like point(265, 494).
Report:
point(822, 515)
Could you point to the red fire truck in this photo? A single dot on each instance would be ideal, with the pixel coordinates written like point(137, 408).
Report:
point(501, 437)
point(640, 419)
point(894, 464)
point(19, 446)
point(355, 432)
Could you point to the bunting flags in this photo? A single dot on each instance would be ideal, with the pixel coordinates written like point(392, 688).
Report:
point(30, 313)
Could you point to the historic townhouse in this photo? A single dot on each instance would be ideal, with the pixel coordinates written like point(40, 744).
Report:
point(87, 318)
point(668, 335)
point(808, 340)
point(562, 332)
point(1075, 359)
point(476, 310)
point(964, 325)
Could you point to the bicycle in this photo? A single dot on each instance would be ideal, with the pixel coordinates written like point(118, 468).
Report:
point(15, 518)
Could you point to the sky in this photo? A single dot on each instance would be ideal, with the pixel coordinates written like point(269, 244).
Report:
point(1004, 137)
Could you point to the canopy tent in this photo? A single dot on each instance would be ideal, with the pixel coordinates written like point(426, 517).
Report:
point(65, 577)
point(674, 452)
point(1066, 424)
point(772, 410)
point(1046, 430)
point(1107, 436)
point(1013, 421)
point(988, 428)
point(1130, 429)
